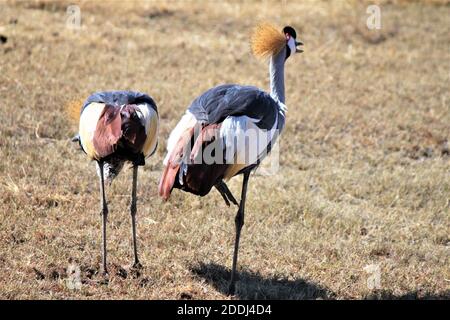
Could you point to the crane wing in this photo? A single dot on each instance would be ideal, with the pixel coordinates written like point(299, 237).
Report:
point(229, 111)
point(108, 116)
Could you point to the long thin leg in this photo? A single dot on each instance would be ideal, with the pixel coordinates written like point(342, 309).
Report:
point(104, 215)
point(133, 216)
point(226, 193)
point(239, 222)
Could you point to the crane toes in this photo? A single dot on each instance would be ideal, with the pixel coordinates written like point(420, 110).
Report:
point(226, 193)
point(232, 199)
point(136, 265)
point(104, 272)
point(226, 200)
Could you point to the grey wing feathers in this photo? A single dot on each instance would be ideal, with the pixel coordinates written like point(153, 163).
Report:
point(118, 98)
point(217, 103)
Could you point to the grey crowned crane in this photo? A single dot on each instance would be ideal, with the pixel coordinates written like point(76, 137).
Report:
point(117, 127)
point(226, 119)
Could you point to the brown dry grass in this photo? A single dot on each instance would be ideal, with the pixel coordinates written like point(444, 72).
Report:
point(365, 166)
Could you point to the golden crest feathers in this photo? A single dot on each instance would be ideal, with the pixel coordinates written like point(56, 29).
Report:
point(267, 40)
point(73, 109)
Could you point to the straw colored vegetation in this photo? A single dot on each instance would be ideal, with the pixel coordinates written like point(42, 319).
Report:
point(364, 178)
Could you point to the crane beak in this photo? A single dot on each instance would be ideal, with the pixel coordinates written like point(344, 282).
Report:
point(298, 43)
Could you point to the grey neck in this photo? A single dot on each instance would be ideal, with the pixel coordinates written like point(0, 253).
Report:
point(276, 73)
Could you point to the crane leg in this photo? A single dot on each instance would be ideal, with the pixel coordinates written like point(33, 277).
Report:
point(226, 193)
point(133, 210)
point(239, 222)
point(104, 214)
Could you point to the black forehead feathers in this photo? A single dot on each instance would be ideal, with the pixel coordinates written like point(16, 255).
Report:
point(291, 31)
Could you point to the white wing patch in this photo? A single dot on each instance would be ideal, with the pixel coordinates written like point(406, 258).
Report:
point(91, 114)
point(187, 122)
point(88, 123)
point(243, 142)
point(149, 118)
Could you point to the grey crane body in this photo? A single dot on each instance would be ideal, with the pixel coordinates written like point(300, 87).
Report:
point(118, 127)
point(226, 108)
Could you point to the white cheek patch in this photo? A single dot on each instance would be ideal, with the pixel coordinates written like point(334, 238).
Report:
point(291, 45)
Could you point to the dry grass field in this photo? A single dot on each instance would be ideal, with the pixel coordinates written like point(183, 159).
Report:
point(364, 179)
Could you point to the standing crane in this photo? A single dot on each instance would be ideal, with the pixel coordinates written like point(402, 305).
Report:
point(117, 127)
point(226, 119)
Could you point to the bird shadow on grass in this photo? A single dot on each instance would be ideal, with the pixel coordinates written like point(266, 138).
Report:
point(252, 285)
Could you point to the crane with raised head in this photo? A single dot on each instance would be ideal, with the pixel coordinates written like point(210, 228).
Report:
point(229, 129)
